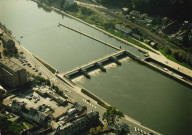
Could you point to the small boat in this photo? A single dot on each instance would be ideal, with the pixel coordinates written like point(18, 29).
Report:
point(21, 37)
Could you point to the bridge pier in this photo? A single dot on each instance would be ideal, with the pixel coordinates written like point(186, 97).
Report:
point(100, 65)
point(115, 60)
point(84, 72)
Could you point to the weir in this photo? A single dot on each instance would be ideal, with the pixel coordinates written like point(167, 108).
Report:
point(97, 64)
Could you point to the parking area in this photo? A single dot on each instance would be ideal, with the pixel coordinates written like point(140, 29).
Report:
point(23, 62)
point(42, 103)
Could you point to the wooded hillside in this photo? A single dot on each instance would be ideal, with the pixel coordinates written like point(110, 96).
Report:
point(175, 9)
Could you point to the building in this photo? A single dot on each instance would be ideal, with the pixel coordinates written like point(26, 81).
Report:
point(153, 44)
point(125, 10)
point(71, 111)
point(135, 13)
point(123, 29)
point(164, 20)
point(31, 114)
point(136, 36)
point(80, 109)
point(143, 16)
point(69, 3)
point(12, 74)
point(37, 131)
point(4, 37)
point(2, 90)
point(71, 128)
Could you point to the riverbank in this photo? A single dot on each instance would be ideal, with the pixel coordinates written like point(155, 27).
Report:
point(138, 44)
point(165, 46)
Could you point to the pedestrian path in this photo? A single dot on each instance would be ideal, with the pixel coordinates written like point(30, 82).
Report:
point(89, 103)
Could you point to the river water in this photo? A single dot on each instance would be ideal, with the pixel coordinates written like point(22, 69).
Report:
point(146, 95)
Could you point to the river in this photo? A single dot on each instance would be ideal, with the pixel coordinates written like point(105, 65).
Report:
point(146, 95)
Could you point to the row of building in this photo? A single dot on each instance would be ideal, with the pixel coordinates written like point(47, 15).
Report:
point(72, 126)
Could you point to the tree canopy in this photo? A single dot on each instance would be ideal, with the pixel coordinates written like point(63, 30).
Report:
point(112, 115)
point(177, 9)
point(8, 127)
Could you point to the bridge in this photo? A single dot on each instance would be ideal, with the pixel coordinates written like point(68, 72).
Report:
point(97, 64)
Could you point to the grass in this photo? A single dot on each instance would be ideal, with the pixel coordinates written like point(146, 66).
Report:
point(46, 65)
point(172, 58)
point(29, 125)
point(8, 127)
point(94, 18)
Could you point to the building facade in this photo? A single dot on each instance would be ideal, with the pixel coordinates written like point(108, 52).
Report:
point(12, 74)
point(73, 128)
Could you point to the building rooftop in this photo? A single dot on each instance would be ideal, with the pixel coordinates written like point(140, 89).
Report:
point(85, 119)
point(43, 102)
point(123, 28)
point(10, 66)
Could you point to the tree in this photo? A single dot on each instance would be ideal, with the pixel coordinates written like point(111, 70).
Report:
point(5, 52)
point(21, 53)
point(105, 127)
point(167, 51)
point(92, 131)
point(14, 50)
point(9, 128)
point(98, 130)
point(112, 115)
point(10, 44)
point(124, 129)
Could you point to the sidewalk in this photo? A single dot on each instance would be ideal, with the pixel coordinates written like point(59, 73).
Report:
point(164, 60)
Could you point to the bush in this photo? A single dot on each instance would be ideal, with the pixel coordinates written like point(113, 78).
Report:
point(8, 127)
point(58, 91)
point(86, 11)
point(168, 51)
point(5, 52)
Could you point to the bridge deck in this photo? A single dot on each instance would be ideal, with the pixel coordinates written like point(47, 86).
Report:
point(92, 63)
